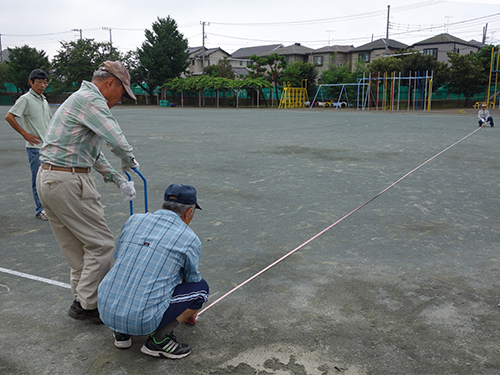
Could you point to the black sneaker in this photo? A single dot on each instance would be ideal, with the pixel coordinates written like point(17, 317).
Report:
point(76, 311)
point(122, 340)
point(168, 347)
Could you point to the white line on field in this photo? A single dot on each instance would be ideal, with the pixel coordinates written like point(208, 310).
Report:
point(36, 278)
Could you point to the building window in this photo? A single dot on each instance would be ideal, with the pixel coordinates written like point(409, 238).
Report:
point(193, 63)
point(318, 60)
point(340, 65)
point(241, 63)
point(431, 51)
point(364, 57)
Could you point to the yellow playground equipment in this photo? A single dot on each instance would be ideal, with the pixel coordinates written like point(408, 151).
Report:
point(493, 93)
point(294, 97)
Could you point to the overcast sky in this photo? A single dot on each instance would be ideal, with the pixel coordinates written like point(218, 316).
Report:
point(233, 24)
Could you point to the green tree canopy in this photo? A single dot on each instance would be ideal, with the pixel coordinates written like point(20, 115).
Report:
point(273, 65)
point(297, 71)
point(22, 61)
point(3, 74)
point(77, 60)
point(222, 69)
point(467, 75)
point(162, 55)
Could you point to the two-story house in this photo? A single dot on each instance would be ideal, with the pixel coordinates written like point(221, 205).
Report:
point(326, 57)
point(198, 55)
point(374, 50)
point(240, 58)
point(438, 46)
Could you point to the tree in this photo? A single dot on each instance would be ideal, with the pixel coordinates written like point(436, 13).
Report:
point(339, 75)
point(273, 65)
point(22, 61)
point(162, 55)
point(222, 69)
point(3, 74)
point(387, 64)
point(298, 71)
point(467, 75)
point(77, 60)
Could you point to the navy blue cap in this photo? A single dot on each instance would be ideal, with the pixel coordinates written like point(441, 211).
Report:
point(186, 194)
point(38, 73)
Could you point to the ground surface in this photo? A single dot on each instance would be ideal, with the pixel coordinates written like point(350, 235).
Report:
point(408, 284)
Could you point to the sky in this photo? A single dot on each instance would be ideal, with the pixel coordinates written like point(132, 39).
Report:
point(234, 24)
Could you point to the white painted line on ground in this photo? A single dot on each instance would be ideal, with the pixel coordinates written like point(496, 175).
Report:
point(36, 278)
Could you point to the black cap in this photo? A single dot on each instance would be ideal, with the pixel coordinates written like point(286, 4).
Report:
point(186, 194)
point(38, 73)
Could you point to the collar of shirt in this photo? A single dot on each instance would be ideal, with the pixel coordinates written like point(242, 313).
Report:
point(37, 95)
point(91, 86)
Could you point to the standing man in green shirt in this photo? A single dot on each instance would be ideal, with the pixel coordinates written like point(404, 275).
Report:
point(80, 128)
point(34, 109)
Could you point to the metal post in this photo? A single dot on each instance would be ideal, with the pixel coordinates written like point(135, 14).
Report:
point(110, 39)
point(80, 30)
point(387, 30)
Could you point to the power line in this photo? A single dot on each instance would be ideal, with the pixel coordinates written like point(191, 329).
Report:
point(335, 19)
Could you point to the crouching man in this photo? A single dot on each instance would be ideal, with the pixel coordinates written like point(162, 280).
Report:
point(154, 284)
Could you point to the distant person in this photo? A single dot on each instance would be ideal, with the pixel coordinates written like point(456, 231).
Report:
point(154, 284)
point(80, 128)
point(34, 109)
point(484, 116)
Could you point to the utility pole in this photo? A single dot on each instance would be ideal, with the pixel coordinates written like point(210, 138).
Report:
point(447, 22)
point(387, 30)
point(80, 30)
point(329, 31)
point(485, 29)
point(110, 39)
point(1, 51)
point(203, 23)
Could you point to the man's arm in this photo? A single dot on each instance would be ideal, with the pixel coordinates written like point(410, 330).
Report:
point(32, 139)
point(107, 171)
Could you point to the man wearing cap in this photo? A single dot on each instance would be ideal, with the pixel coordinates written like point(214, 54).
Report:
point(34, 109)
point(154, 284)
point(77, 133)
point(484, 116)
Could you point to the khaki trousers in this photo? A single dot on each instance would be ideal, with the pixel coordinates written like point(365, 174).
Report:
point(73, 206)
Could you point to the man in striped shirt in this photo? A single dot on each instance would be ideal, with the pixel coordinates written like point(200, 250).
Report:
point(77, 133)
point(155, 284)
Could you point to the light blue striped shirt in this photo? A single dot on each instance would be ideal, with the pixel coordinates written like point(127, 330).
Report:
point(153, 253)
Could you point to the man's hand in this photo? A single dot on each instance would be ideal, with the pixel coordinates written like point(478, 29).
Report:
point(128, 168)
point(128, 190)
point(32, 139)
point(192, 319)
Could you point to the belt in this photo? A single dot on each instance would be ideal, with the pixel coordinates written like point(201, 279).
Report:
point(51, 167)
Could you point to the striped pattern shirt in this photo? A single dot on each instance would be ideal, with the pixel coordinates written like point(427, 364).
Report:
point(153, 253)
point(79, 130)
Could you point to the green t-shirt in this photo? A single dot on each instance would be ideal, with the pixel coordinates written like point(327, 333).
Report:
point(36, 115)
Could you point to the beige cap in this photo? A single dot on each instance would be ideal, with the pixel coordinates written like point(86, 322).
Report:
point(117, 69)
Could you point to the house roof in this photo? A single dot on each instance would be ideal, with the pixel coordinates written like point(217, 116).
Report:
point(442, 39)
point(191, 50)
point(333, 49)
point(238, 71)
point(294, 49)
point(476, 43)
point(380, 44)
point(209, 51)
point(245, 53)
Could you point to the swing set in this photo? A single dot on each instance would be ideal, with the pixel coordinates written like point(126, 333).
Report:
point(384, 92)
